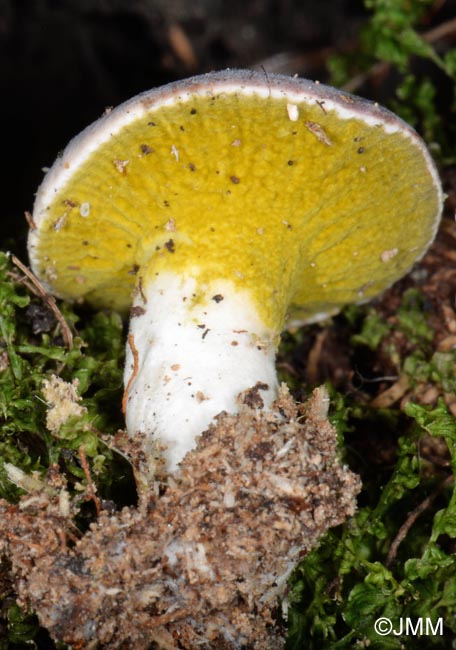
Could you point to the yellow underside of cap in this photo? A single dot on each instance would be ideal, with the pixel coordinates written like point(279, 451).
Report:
point(297, 207)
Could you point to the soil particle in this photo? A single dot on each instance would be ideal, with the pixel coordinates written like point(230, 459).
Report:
point(137, 311)
point(146, 150)
point(203, 564)
point(252, 396)
point(169, 245)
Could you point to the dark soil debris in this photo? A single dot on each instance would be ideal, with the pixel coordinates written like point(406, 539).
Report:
point(204, 564)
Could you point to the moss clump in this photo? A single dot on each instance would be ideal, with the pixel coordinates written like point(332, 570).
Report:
point(32, 350)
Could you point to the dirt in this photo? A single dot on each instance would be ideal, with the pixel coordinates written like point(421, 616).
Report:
point(202, 565)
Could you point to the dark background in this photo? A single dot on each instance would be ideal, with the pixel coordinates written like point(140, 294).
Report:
point(62, 62)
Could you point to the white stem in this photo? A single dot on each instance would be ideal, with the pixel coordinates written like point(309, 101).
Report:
point(188, 357)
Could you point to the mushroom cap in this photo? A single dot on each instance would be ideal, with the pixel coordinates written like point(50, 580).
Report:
point(303, 194)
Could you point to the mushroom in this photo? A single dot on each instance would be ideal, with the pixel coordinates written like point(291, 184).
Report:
point(219, 209)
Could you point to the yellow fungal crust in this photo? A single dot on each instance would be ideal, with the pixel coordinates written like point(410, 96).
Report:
point(289, 201)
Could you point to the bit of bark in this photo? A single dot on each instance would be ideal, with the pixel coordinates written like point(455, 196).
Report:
point(204, 564)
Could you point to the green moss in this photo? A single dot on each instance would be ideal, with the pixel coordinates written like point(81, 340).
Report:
point(28, 359)
point(393, 40)
point(395, 558)
point(412, 318)
point(373, 330)
point(345, 585)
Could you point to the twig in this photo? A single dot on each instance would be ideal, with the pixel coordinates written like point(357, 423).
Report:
point(392, 394)
point(291, 62)
point(412, 517)
point(441, 31)
point(85, 467)
point(314, 357)
point(168, 617)
point(378, 69)
point(134, 351)
point(182, 46)
point(37, 288)
point(29, 220)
